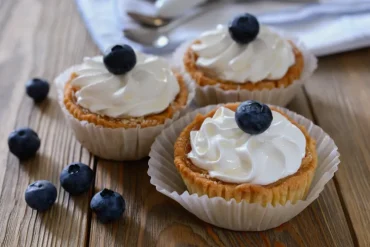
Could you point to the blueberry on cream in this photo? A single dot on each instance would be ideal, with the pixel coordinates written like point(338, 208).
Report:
point(120, 59)
point(244, 28)
point(253, 117)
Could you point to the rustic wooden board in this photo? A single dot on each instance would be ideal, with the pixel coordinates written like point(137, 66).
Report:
point(151, 219)
point(39, 38)
point(339, 93)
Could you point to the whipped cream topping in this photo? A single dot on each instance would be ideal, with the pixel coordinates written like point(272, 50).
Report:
point(233, 156)
point(269, 56)
point(148, 88)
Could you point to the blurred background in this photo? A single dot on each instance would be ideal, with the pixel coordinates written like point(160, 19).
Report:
point(326, 26)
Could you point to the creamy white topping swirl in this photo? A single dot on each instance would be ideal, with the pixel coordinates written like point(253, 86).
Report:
point(148, 88)
point(269, 56)
point(233, 156)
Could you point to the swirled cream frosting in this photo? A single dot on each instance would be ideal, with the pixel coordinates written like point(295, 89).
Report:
point(269, 56)
point(233, 156)
point(149, 88)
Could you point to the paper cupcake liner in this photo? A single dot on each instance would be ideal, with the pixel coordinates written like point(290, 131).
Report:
point(232, 215)
point(118, 143)
point(206, 95)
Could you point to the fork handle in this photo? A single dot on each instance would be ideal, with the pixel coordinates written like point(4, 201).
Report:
point(190, 16)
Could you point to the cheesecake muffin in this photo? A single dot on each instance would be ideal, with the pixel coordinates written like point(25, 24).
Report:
point(119, 102)
point(244, 60)
point(247, 152)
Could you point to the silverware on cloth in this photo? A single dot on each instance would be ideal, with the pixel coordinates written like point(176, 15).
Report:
point(147, 20)
point(324, 27)
point(159, 20)
point(158, 39)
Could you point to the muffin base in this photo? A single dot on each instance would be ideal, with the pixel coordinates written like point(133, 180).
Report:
point(202, 78)
point(83, 114)
point(292, 188)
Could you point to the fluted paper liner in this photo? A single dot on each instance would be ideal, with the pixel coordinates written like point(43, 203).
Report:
point(118, 143)
point(213, 94)
point(232, 215)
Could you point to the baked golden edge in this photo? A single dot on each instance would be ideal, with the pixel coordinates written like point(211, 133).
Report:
point(83, 114)
point(202, 79)
point(291, 188)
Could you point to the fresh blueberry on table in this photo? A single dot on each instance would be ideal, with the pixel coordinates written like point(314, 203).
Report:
point(244, 28)
point(253, 117)
point(76, 178)
point(41, 195)
point(108, 205)
point(120, 59)
point(37, 89)
point(23, 143)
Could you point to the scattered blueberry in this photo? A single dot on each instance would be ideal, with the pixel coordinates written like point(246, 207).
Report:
point(76, 178)
point(41, 195)
point(244, 28)
point(23, 143)
point(37, 89)
point(253, 117)
point(108, 205)
point(120, 59)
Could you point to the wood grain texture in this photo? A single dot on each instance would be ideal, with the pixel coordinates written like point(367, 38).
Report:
point(38, 39)
point(339, 93)
point(151, 219)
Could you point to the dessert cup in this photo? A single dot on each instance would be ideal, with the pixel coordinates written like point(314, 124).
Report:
point(116, 137)
point(231, 214)
point(291, 188)
point(212, 89)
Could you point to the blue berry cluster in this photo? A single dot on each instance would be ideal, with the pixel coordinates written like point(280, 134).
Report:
point(77, 177)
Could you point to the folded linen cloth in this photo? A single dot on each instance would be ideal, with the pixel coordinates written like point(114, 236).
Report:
point(325, 27)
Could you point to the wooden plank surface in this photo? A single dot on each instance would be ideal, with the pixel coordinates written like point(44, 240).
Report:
point(38, 38)
point(41, 38)
point(152, 219)
point(340, 100)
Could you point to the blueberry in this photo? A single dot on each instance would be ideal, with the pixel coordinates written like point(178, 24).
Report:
point(108, 205)
point(120, 59)
point(76, 178)
point(23, 143)
point(244, 28)
point(253, 117)
point(41, 195)
point(37, 89)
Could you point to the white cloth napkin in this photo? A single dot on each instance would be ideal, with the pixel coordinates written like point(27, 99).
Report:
point(326, 27)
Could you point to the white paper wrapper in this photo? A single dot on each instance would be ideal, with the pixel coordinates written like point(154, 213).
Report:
point(114, 144)
point(279, 96)
point(240, 216)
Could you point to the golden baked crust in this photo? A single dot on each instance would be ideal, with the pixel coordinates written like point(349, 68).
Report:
point(202, 78)
point(292, 188)
point(83, 114)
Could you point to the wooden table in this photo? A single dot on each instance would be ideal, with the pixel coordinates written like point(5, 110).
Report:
point(41, 38)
